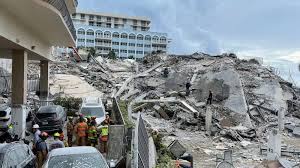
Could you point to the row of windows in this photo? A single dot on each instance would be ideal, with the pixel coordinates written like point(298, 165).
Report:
point(123, 35)
point(129, 51)
point(115, 43)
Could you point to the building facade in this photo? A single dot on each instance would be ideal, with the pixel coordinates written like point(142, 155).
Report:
point(126, 36)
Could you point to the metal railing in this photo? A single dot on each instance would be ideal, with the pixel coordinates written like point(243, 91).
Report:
point(140, 145)
point(61, 6)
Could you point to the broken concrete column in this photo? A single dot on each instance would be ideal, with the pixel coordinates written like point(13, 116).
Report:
point(208, 120)
point(281, 119)
point(162, 113)
point(274, 145)
point(44, 79)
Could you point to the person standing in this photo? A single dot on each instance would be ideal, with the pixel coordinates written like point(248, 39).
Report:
point(36, 136)
point(92, 134)
point(187, 88)
point(41, 149)
point(57, 143)
point(80, 130)
point(70, 131)
point(209, 99)
point(104, 137)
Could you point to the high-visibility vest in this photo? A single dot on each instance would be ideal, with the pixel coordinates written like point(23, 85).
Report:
point(81, 129)
point(92, 132)
point(104, 133)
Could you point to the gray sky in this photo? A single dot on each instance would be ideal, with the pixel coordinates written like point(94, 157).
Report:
point(262, 28)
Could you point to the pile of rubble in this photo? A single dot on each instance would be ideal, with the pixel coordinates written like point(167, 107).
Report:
point(249, 100)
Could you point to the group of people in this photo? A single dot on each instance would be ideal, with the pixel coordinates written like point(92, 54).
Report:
point(88, 133)
point(85, 129)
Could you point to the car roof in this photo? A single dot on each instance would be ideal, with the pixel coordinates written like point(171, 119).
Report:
point(49, 109)
point(8, 146)
point(3, 107)
point(73, 151)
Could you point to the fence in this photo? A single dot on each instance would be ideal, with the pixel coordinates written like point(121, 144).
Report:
point(140, 145)
point(117, 135)
point(5, 84)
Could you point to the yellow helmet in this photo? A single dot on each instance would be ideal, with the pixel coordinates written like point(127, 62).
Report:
point(56, 134)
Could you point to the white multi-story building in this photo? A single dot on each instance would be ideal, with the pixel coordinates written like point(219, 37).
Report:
point(126, 36)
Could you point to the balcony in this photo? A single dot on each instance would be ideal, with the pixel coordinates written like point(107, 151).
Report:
point(62, 8)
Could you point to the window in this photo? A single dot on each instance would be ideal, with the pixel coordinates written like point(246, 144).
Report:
point(116, 19)
point(89, 41)
point(115, 43)
point(134, 22)
point(74, 15)
point(108, 25)
point(91, 23)
point(116, 26)
point(143, 23)
point(99, 24)
point(123, 51)
point(107, 34)
point(134, 27)
point(98, 18)
point(148, 38)
point(108, 19)
point(123, 44)
point(90, 32)
point(124, 21)
point(143, 29)
point(81, 40)
point(139, 52)
point(91, 17)
point(132, 44)
point(123, 35)
point(82, 16)
point(147, 46)
point(116, 35)
point(81, 31)
point(131, 36)
point(140, 37)
point(116, 50)
point(98, 33)
point(131, 51)
point(139, 45)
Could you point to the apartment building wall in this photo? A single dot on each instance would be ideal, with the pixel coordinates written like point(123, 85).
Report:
point(131, 37)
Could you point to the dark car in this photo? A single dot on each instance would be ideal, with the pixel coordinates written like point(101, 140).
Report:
point(50, 118)
point(16, 155)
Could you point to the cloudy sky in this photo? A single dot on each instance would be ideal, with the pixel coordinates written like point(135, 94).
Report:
point(262, 28)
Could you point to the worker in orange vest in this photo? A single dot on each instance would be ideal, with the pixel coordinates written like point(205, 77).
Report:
point(80, 130)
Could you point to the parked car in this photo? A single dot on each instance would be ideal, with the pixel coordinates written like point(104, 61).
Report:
point(93, 106)
point(50, 118)
point(16, 155)
point(79, 157)
point(5, 117)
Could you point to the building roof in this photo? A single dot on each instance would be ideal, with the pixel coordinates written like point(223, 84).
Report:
point(115, 15)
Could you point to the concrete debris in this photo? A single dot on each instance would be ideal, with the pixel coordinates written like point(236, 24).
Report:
point(246, 99)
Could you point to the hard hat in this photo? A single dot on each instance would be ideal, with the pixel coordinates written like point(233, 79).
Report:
point(70, 118)
point(56, 134)
point(36, 126)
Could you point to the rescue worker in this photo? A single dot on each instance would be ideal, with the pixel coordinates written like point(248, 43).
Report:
point(103, 137)
point(36, 136)
point(107, 119)
point(166, 72)
point(57, 143)
point(80, 130)
point(92, 134)
point(41, 149)
point(209, 99)
point(70, 131)
point(187, 88)
point(62, 137)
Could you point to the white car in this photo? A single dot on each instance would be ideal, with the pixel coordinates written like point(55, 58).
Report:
point(93, 107)
point(79, 157)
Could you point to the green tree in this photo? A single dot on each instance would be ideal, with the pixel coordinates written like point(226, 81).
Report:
point(112, 55)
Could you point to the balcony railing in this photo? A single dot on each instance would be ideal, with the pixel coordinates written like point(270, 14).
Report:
point(61, 6)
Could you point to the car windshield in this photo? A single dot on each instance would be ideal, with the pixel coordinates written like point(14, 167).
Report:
point(46, 115)
point(92, 111)
point(90, 160)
